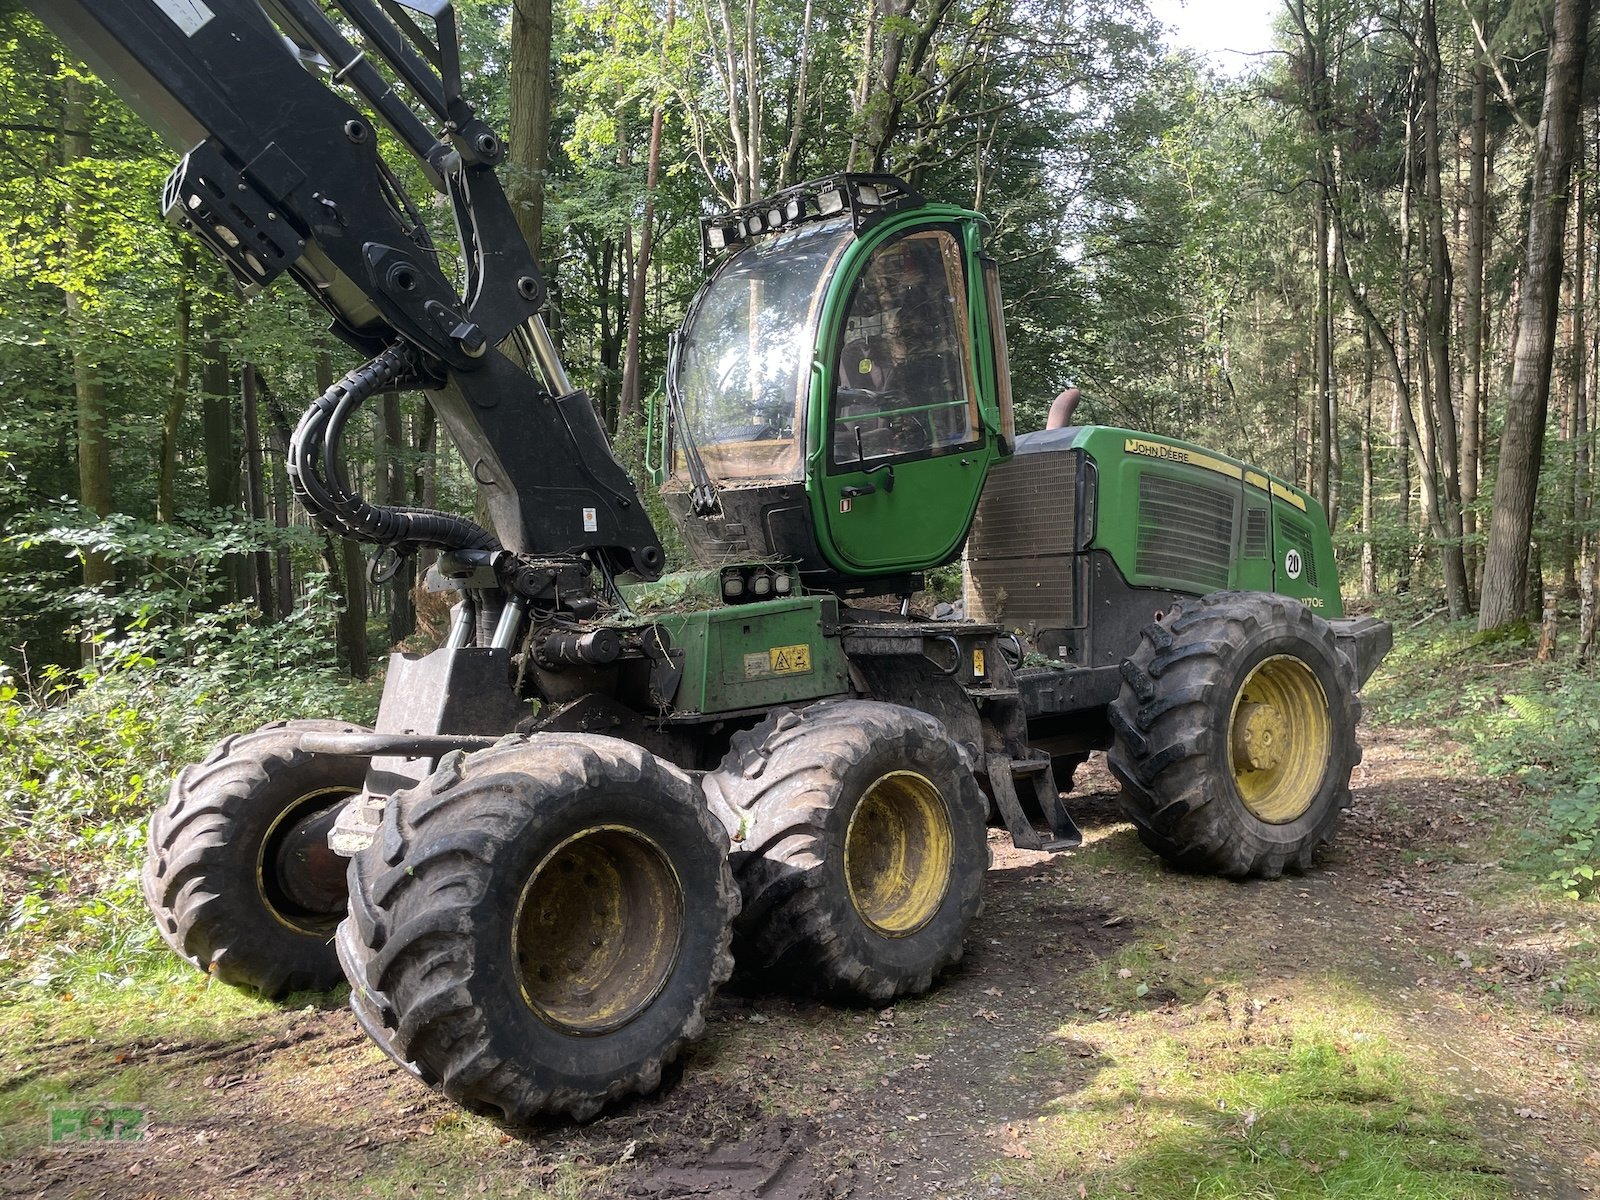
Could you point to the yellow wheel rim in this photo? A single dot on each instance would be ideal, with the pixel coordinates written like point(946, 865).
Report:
point(597, 930)
point(1279, 739)
point(898, 853)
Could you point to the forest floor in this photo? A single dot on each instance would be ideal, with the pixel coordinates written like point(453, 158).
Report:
point(1382, 1025)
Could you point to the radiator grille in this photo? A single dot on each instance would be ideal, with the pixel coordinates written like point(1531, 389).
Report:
point(1185, 531)
point(1030, 506)
point(1297, 536)
point(1022, 593)
point(1020, 553)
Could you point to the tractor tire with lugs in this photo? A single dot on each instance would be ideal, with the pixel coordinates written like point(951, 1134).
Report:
point(859, 846)
point(237, 871)
point(1235, 734)
point(539, 927)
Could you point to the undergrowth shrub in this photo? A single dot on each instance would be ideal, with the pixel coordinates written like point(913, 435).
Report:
point(86, 754)
point(1536, 723)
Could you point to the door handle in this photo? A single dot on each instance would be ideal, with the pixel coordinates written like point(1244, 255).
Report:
point(865, 489)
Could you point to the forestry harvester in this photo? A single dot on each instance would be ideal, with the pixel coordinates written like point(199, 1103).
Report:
point(610, 783)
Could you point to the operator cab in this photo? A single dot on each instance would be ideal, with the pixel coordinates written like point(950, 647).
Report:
point(839, 389)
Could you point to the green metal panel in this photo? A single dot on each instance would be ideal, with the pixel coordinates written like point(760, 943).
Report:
point(756, 655)
point(923, 521)
point(1176, 515)
point(1303, 563)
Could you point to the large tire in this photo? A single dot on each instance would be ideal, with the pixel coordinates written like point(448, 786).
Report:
point(1235, 734)
point(232, 890)
point(859, 847)
point(539, 927)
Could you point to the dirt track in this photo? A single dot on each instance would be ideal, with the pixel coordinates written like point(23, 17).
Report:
point(793, 1100)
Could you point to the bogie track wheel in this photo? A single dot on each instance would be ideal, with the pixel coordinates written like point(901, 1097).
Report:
point(1235, 734)
point(539, 927)
point(237, 870)
point(859, 846)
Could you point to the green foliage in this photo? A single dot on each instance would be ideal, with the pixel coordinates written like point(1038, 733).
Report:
point(1537, 725)
point(85, 755)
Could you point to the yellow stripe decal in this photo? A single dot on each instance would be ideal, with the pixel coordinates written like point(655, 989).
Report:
point(1288, 497)
point(1256, 480)
point(1178, 454)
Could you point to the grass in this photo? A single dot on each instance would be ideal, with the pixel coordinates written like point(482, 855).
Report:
point(1222, 1100)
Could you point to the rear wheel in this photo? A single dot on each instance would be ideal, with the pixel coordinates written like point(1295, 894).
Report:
point(859, 846)
point(237, 868)
point(539, 927)
point(1235, 734)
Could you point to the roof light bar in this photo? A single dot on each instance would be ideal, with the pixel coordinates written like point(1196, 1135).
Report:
point(867, 198)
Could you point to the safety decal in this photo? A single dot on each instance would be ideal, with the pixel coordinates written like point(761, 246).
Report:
point(779, 660)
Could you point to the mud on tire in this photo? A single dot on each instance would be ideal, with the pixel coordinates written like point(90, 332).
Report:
point(1235, 734)
point(215, 860)
point(539, 927)
point(859, 847)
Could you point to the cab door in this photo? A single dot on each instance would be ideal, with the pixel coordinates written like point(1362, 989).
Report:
point(905, 451)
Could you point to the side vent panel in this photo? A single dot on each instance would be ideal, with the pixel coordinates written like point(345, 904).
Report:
point(1297, 535)
point(1255, 532)
point(1186, 532)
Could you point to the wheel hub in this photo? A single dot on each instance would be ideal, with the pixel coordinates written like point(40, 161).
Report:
point(597, 930)
point(311, 874)
point(300, 880)
point(1280, 737)
point(898, 853)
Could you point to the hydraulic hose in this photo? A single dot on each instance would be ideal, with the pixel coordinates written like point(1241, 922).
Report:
point(326, 493)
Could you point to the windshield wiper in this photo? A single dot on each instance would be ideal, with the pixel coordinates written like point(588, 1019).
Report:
point(703, 501)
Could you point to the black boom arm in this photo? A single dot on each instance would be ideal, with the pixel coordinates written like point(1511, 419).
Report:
point(274, 105)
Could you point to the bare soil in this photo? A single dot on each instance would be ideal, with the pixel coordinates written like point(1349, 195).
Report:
point(793, 1100)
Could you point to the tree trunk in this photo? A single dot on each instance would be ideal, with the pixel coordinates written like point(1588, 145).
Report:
point(402, 612)
point(630, 400)
point(1547, 629)
point(217, 430)
point(255, 490)
point(347, 570)
point(1589, 584)
point(1527, 404)
point(1578, 376)
point(178, 398)
point(1472, 324)
point(1402, 458)
point(1322, 367)
point(89, 387)
point(278, 479)
point(1437, 325)
point(528, 135)
point(1369, 553)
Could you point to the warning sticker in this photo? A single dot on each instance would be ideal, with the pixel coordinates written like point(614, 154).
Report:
point(591, 521)
point(780, 660)
point(978, 666)
point(187, 15)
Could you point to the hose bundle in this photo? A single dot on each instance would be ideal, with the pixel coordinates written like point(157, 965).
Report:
point(320, 484)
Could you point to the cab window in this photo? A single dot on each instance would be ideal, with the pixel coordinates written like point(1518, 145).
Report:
point(904, 372)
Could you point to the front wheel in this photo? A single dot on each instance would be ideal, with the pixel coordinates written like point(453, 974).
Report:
point(539, 927)
point(859, 846)
point(1235, 734)
point(237, 868)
